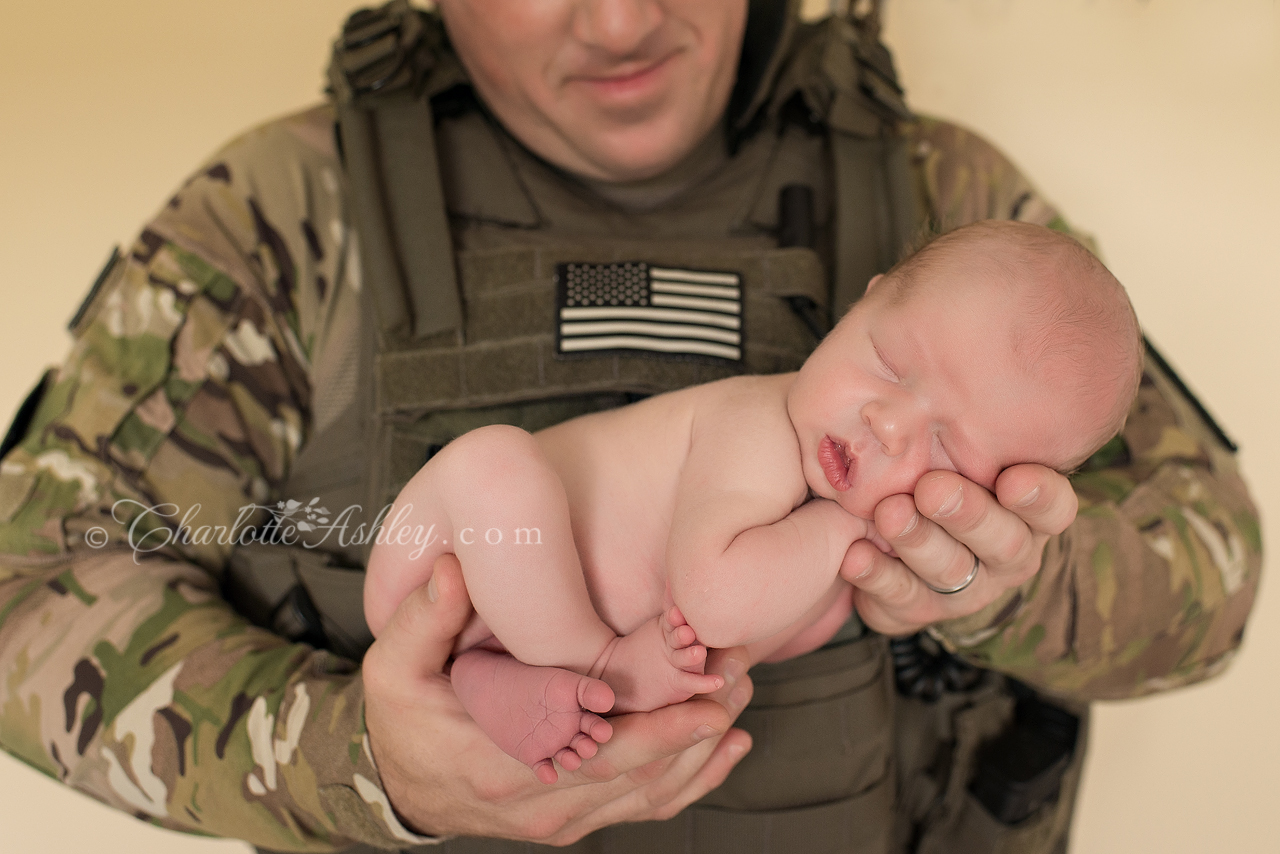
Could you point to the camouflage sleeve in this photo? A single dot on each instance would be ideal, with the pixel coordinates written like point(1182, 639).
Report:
point(124, 673)
point(1150, 587)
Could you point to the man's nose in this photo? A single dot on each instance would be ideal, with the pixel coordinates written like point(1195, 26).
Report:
point(619, 27)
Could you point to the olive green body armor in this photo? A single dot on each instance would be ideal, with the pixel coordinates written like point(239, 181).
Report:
point(471, 250)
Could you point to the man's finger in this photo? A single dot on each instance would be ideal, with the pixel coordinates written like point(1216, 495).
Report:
point(966, 520)
point(677, 789)
point(681, 781)
point(876, 573)
point(888, 596)
point(731, 664)
point(646, 748)
point(730, 750)
point(641, 739)
point(430, 618)
point(933, 553)
point(648, 737)
point(1042, 497)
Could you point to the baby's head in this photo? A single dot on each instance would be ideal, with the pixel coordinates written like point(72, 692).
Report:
point(995, 344)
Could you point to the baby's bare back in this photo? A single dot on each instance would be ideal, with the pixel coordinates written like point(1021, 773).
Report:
point(621, 470)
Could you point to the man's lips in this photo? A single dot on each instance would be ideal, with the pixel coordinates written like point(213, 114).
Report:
point(834, 462)
point(632, 84)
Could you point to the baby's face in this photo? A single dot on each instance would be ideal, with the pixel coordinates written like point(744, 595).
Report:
point(896, 391)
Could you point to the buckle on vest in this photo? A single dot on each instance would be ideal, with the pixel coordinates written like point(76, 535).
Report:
point(382, 49)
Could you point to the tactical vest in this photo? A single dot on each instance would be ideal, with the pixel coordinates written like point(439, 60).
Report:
point(495, 287)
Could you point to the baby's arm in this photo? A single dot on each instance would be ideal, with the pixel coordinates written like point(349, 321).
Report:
point(744, 561)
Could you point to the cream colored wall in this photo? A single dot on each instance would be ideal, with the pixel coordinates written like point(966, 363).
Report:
point(1156, 126)
point(1153, 125)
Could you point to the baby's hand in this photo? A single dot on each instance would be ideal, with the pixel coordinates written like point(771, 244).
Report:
point(849, 526)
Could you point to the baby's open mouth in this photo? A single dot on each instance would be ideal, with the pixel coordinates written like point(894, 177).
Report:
point(835, 463)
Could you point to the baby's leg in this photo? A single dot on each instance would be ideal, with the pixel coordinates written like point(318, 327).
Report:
point(491, 498)
point(495, 502)
point(658, 664)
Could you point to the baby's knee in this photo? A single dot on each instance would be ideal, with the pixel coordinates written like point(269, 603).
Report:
point(492, 457)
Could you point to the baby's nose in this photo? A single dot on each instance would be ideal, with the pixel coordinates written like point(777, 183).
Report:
point(894, 427)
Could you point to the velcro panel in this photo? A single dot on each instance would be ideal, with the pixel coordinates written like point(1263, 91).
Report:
point(509, 349)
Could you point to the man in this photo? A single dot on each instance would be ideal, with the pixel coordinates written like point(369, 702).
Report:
point(256, 298)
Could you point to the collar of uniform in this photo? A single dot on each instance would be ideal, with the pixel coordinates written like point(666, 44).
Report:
point(479, 180)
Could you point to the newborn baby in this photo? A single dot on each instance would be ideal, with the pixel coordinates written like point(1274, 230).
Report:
point(604, 555)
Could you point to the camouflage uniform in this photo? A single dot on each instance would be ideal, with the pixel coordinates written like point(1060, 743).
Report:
point(126, 674)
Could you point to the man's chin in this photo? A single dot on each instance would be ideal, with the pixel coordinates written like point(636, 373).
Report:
point(631, 166)
point(628, 151)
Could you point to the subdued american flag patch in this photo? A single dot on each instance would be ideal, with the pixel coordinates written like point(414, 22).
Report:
point(636, 306)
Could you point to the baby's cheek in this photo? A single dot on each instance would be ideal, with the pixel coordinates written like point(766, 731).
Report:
point(850, 502)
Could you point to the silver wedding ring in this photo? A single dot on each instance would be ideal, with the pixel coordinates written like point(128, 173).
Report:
point(968, 579)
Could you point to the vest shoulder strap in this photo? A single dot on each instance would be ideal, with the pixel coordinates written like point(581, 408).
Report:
point(386, 65)
point(841, 79)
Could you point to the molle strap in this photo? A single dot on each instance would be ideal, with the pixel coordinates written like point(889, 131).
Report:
point(379, 268)
point(415, 201)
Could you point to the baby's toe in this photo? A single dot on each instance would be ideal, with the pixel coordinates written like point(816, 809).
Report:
point(596, 728)
point(545, 771)
point(595, 695)
point(583, 745)
point(568, 759)
point(689, 658)
point(673, 617)
point(677, 634)
point(697, 683)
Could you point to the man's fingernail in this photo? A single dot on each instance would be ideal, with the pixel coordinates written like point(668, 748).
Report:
point(736, 751)
point(1029, 498)
point(952, 504)
point(734, 669)
point(704, 732)
point(738, 698)
point(433, 592)
point(911, 525)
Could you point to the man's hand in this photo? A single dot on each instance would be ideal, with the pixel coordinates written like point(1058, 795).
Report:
point(937, 535)
point(445, 777)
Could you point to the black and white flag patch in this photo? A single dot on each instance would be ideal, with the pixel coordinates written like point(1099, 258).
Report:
point(634, 306)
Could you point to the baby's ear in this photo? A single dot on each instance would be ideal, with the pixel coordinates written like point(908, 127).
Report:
point(874, 281)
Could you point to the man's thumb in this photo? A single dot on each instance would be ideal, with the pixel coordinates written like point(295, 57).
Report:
point(431, 617)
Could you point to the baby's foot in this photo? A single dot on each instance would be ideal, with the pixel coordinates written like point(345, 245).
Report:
point(535, 714)
point(658, 664)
